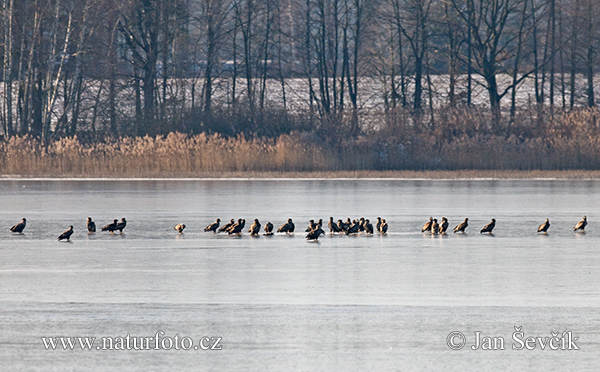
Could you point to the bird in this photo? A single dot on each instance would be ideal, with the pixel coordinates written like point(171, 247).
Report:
point(378, 225)
point(444, 225)
point(67, 234)
point(384, 227)
point(237, 227)
point(580, 226)
point(121, 225)
point(320, 223)
point(111, 227)
point(353, 228)
point(311, 226)
point(314, 234)
point(544, 227)
point(213, 226)
point(347, 224)
point(91, 225)
point(233, 225)
point(461, 227)
point(368, 227)
point(269, 228)
point(180, 227)
point(333, 227)
point(435, 227)
point(361, 224)
point(341, 226)
point(287, 227)
point(427, 226)
point(227, 226)
point(489, 227)
point(254, 228)
point(18, 228)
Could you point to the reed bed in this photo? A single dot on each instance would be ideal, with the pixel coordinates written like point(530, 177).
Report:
point(570, 141)
point(174, 155)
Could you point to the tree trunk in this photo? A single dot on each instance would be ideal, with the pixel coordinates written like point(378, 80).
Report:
point(54, 74)
point(210, 57)
point(513, 98)
point(590, 54)
point(265, 64)
point(7, 73)
point(470, 21)
point(489, 74)
point(452, 56)
point(247, 30)
point(552, 51)
point(149, 76)
point(574, 43)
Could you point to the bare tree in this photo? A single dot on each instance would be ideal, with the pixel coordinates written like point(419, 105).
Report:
point(245, 16)
point(212, 17)
point(7, 71)
point(55, 62)
point(517, 60)
point(140, 25)
point(357, 15)
point(491, 42)
point(591, 40)
point(412, 17)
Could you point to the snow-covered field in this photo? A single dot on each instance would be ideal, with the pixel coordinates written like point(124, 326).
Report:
point(373, 96)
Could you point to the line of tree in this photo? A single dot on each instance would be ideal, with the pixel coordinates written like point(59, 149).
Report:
point(134, 67)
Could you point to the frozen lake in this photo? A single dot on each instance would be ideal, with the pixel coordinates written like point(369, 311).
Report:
point(281, 303)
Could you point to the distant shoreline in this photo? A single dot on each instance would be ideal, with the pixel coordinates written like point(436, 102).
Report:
point(342, 175)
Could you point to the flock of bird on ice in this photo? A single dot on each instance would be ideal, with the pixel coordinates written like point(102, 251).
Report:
point(314, 230)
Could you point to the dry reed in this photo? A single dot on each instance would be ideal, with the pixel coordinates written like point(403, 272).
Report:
point(463, 141)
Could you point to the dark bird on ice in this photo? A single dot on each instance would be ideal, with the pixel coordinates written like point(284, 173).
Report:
point(314, 234)
point(213, 226)
point(121, 225)
point(361, 224)
point(384, 227)
point(227, 226)
point(237, 227)
point(287, 227)
point(269, 228)
point(347, 224)
point(67, 234)
point(254, 228)
point(353, 228)
point(427, 226)
point(544, 227)
point(320, 223)
point(489, 227)
point(435, 227)
point(342, 226)
point(461, 227)
point(333, 227)
point(111, 226)
point(18, 228)
point(580, 226)
point(378, 225)
point(91, 225)
point(444, 225)
point(311, 226)
point(180, 227)
point(368, 227)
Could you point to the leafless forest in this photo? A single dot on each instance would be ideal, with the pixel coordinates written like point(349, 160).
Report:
point(298, 85)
